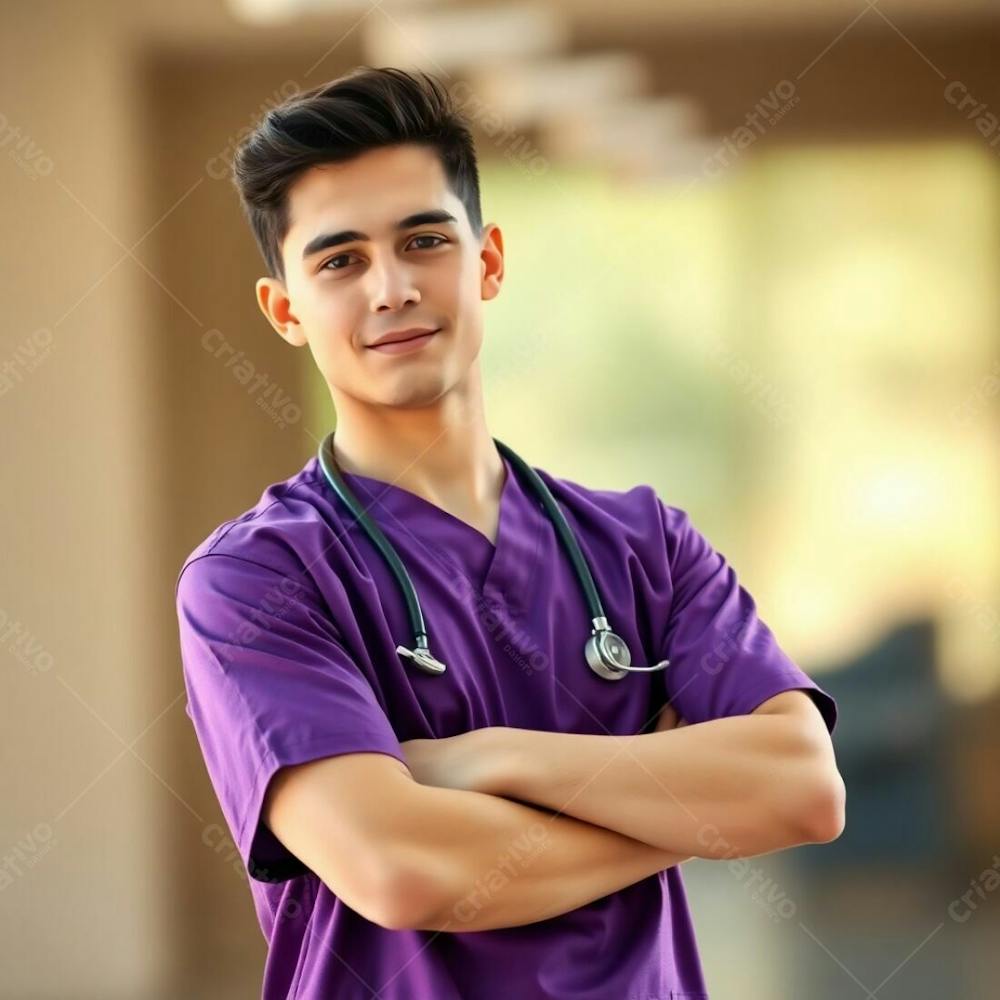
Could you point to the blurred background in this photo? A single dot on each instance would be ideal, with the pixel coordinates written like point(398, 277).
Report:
point(753, 259)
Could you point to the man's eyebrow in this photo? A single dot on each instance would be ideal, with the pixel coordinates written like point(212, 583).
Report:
point(326, 240)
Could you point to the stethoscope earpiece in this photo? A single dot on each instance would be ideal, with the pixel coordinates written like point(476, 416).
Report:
point(606, 652)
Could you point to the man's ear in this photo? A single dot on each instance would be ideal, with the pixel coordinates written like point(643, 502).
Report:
point(272, 297)
point(491, 262)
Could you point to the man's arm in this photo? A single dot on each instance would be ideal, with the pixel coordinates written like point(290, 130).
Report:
point(731, 787)
point(503, 863)
point(406, 855)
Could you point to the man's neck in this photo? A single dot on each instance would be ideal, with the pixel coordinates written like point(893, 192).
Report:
point(444, 454)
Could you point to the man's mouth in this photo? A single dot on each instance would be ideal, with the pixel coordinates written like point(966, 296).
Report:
point(404, 346)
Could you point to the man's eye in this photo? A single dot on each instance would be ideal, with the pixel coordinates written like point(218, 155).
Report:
point(430, 236)
point(326, 266)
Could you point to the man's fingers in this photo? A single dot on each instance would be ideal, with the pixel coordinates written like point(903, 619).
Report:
point(668, 718)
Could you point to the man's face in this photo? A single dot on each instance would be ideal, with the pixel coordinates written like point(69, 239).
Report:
point(343, 292)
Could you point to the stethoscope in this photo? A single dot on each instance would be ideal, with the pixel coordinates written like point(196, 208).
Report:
point(607, 653)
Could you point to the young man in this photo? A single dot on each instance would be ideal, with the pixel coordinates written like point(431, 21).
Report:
point(514, 826)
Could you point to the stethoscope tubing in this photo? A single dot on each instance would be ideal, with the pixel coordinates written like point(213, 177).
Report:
point(606, 653)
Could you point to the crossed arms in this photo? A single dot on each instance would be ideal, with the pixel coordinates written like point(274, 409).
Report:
point(500, 827)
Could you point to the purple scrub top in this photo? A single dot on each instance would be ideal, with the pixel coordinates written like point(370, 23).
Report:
point(289, 620)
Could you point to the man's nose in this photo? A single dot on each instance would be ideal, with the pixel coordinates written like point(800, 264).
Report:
point(392, 285)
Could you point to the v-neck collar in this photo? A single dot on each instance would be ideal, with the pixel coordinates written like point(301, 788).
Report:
point(510, 561)
point(389, 495)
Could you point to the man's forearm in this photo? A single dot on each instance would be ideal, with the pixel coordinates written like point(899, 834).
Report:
point(731, 787)
point(495, 863)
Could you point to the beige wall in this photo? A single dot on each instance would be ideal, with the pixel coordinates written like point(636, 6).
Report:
point(81, 527)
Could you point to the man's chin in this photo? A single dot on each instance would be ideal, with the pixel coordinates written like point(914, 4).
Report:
point(414, 393)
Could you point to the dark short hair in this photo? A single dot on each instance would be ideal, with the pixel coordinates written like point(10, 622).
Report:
point(365, 109)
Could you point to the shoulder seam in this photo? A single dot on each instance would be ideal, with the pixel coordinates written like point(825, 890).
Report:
point(242, 519)
point(220, 555)
point(252, 515)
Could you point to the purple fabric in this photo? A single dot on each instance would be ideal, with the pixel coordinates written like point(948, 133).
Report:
point(289, 618)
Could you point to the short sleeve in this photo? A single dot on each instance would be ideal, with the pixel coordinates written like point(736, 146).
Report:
point(724, 660)
point(269, 684)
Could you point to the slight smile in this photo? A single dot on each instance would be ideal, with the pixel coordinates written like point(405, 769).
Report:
point(404, 346)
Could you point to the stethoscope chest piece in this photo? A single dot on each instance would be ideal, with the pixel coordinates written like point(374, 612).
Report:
point(608, 655)
point(421, 656)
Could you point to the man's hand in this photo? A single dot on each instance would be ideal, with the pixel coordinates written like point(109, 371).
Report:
point(469, 761)
point(668, 719)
